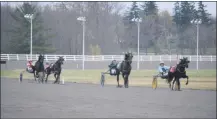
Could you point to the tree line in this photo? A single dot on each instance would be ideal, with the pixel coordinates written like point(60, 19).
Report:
point(108, 30)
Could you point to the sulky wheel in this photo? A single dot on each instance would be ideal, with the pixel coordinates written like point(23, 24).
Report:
point(102, 81)
point(154, 83)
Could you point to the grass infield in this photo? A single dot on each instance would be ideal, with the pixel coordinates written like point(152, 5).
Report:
point(201, 79)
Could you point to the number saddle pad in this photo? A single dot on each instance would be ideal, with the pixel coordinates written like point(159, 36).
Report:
point(173, 69)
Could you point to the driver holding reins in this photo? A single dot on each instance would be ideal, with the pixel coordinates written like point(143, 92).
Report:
point(163, 70)
point(29, 66)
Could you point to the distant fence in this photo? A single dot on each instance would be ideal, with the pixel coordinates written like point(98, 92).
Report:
point(24, 57)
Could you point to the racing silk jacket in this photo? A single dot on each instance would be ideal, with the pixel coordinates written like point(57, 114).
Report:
point(29, 63)
point(163, 69)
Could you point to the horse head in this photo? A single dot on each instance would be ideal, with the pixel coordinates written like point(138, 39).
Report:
point(128, 57)
point(184, 62)
point(41, 58)
point(61, 60)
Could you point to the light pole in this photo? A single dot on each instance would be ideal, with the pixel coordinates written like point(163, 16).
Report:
point(197, 22)
point(30, 16)
point(83, 19)
point(138, 20)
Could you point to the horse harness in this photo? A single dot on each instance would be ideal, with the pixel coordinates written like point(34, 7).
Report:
point(177, 68)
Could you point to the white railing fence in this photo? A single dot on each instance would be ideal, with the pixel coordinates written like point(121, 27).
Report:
point(24, 57)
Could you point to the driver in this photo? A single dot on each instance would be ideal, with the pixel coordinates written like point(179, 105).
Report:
point(112, 67)
point(163, 70)
point(29, 66)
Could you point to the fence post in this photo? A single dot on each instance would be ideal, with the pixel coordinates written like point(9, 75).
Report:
point(46, 57)
point(160, 58)
point(190, 58)
point(8, 56)
point(17, 57)
point(170, 58)
point(211, 58)
point(112, 57)
point(65, 58)
point(74, 57)
point(27, 57)
point(102, 57)
point(56, 57)
point(150, 58)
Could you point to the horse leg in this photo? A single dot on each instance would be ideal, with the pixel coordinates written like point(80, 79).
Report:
point(55, 78)
point(118, 79)
point(58, 78)
point(126, 81)
point(34, 74)
point(123, 76)
point(187, 79)
point(47, 77)
point(169, 81)
point(173, 82)
point(43, 74)
point(179, 85)
point(38, 75)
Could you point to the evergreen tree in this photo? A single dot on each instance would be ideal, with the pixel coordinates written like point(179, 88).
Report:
point(185, 14)
point(150, 8)
point(203, 14)
point(193, 11)
point(132, 13)
point(150, 16)
point(20, 41)
point(131, 34)
point(177, 14)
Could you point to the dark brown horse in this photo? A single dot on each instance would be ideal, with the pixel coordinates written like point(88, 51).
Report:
point(39, 68)
point(125, 69)
point(178, 73)
point(56, 69)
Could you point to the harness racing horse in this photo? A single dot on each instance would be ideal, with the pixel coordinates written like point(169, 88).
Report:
point(38, 68)
point(56, 69)
point(178, 73)
point(125, 68)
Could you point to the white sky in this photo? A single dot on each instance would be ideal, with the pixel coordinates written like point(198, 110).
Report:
point(211, 6)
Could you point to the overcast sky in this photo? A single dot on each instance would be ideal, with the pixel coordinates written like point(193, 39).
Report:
point(211, 6)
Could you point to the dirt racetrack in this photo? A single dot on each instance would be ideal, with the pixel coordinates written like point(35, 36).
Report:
point(32, 100)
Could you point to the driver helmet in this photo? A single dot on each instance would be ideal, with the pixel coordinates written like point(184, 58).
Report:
point(162, 62)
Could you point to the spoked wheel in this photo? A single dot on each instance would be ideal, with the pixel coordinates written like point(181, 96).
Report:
point(154, 83)
point(102, 81)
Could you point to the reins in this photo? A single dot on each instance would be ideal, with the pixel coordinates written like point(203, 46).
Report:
point(179, 69)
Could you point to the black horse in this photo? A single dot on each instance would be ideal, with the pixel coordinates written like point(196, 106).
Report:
point(56, 69)
point(39, 68)
point(178, 73)
point(125, 68)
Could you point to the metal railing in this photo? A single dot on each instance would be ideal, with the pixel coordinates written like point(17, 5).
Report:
point(24, 57)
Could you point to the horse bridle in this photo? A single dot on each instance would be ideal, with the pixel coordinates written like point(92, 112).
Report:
point(180, 65)
point(127, 60)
